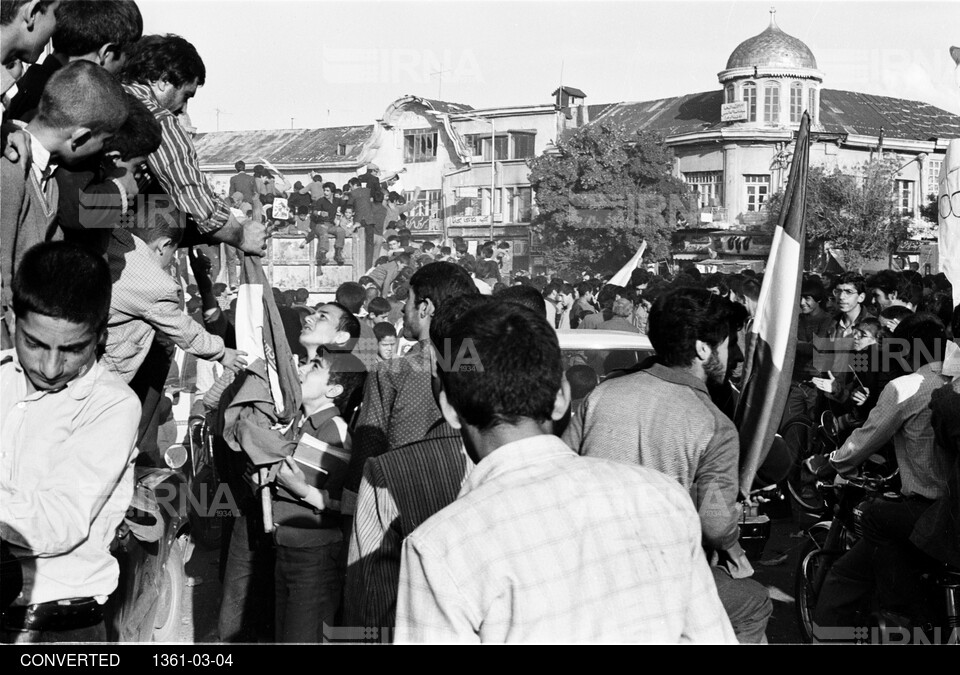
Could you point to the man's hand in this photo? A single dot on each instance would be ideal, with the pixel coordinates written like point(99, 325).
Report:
point(201, 266)
point(824, 384)
point(16, 146)
point(124, 172)
point(254, 238)
point(292, 478)
point(233, 359)
point(860, 396)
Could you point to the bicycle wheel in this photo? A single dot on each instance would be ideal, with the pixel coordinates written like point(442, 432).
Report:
point(805, 592)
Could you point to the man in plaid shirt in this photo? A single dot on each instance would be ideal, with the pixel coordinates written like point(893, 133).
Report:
point(543, 545)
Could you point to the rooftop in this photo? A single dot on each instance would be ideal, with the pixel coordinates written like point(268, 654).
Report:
point(282, 146)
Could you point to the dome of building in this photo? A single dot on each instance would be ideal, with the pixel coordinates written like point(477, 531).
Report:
point(774, 48)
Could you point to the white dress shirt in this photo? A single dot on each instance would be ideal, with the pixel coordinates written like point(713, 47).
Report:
point(66, 479)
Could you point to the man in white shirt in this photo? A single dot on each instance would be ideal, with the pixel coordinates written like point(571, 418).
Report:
point(543, 545)
point(68, 429)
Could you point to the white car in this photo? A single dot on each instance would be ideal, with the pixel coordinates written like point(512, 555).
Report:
point(605, 352)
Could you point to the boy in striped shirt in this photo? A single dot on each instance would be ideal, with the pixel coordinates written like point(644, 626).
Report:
point(307, 500)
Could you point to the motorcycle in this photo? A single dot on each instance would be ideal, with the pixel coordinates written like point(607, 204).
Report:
point(829, 538)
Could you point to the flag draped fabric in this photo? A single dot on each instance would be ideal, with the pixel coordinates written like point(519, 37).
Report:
point(622, 277)
point(772, 338)
point(269, 398)
point(949, 218)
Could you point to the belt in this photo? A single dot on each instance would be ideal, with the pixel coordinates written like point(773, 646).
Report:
point(57, 615)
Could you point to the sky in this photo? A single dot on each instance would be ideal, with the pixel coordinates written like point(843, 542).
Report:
point(317, 63)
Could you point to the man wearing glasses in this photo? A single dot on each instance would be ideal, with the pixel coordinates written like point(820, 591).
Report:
point(849, 296)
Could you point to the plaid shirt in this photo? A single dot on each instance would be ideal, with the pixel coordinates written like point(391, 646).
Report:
point(176, 166)
point(146, 299)
point(545, 546)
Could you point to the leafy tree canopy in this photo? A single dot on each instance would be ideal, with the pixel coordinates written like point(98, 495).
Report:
point(854, 211)
point(602, 194)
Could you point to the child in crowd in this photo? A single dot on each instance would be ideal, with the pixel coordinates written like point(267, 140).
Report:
point(378, 311)
point(386, 336)
point(81, 107)
point(307, 500)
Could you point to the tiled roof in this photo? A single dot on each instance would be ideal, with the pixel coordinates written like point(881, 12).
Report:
point(446, 106)
point(282, 146)
point(863, 114)
point(772, 47)
point(840, 112)
point(572, 91)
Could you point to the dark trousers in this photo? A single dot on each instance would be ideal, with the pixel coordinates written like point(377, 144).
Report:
point(246, 604)
point(148, 385)
point(95, 633)
point(883, 559)
point(747, 604)
point(308, 587)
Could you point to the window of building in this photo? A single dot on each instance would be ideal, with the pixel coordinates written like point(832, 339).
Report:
point(812, 105)
point(771, 103)
point(419, 145)
point(796, 102)
point(485, 201)
point(523, 144)
point(481, 145)
point(426, 214)
point(341, 149)
point(903, 196)
point(523, 205)
point(750, 98)
point(729, 96)
point(708, 186)
point(933, 176)
point(758, 187)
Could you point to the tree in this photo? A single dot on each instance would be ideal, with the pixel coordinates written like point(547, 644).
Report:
point(602, 194)
point(855, 212)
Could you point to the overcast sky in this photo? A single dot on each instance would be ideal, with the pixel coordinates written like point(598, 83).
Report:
point(327, 63)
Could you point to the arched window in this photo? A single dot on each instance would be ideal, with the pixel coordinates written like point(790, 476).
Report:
point(730, 97)
point(750, 98)
point(771, 103)
point(796, 102)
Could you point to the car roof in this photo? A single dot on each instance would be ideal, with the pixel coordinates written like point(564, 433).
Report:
point(602, 339)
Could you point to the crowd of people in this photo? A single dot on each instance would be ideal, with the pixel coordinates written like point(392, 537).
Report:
point(442, 486)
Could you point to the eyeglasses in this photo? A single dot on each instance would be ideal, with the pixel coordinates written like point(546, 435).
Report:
point(845, 291)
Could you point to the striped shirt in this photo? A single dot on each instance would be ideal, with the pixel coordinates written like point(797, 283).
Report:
point(545, 546)
point(177, 167)
point(400, 490)
point(903, 414)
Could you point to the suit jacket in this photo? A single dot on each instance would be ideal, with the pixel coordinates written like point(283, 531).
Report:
point(400, 490)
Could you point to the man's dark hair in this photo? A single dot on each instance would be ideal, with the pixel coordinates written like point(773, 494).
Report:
point(84, 26)
point(925, 338)
point(487, 251)
point(139, 136)
point(460, 245)
point(438, 281)
point(351, 294)
point(717, 280)
point(395, 198)
point(349, 372)
point(505, 365)
point(854, 279)
point(682, 316)
point(82, 94)
point(384, 329)
point(301, 295)
point(379, 306)
point(583, 379)
point(393, 237)
point(895, 313)
point(240, 166)
point(427, 246)
point(528, 296)
point(330, 186)
point(813, 288)
point(939, 304)
point(456, 307)
point(165, 57)
point(584, 287)
point(554, 286)
point(445, 250)
point(63, 281)
point(9, 9)
point(349, 323)
point(639, 277)
point(751, 289)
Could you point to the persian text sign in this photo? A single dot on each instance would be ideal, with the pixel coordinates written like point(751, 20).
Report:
point(733, 112)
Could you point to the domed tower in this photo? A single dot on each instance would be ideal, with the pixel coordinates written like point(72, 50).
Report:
point(776, 76)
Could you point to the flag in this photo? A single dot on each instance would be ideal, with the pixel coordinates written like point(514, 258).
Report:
point(259, 419)
point(772, 340)
point(949, 218)
point(622, 278)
